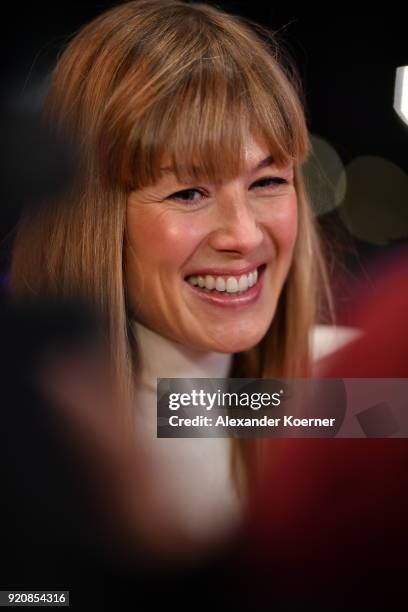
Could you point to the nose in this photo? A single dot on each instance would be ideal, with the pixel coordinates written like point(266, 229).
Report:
point(237, 226)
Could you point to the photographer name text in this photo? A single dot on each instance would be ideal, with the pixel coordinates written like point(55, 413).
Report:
point(227, 421)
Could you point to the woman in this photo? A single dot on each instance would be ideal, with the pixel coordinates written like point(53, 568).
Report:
point(189, 228)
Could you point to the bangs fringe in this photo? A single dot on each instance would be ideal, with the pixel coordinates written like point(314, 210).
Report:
point(195, 119)
point(199, 133)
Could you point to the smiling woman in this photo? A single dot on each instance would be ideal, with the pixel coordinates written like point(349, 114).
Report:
point(231, 250)
point(189, 228)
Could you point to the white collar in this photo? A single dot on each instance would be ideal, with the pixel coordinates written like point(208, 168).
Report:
point(164, 358)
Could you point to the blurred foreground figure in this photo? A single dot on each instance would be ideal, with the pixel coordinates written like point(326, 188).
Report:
point(329, 525)
point(74, 485)
point(327, 528)
point(48, 532)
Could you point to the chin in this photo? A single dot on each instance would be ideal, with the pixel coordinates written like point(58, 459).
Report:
point(240, 343)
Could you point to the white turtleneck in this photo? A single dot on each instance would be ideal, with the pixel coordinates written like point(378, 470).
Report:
point(192, 475)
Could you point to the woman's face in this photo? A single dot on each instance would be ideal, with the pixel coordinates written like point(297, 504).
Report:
point(235, 238)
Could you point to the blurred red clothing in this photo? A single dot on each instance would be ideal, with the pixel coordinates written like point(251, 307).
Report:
point(330, 519)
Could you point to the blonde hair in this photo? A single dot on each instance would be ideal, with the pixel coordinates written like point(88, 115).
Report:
point(129, 86)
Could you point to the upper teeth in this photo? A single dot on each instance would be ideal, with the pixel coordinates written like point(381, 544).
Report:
point(230, 284)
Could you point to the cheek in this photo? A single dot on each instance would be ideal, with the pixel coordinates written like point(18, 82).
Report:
point(284, 225)
point(163, 240)
point(290, 224)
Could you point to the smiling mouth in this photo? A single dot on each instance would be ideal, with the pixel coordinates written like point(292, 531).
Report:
point(226, 285)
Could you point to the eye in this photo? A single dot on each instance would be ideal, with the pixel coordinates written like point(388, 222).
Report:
point(187, 195)
point(268, 181)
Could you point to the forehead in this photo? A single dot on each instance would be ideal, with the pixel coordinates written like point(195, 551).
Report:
point(256, 155)
point(254, 149)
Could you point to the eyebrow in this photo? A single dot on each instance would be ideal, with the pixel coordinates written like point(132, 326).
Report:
point(268, 161)
point(264, 163)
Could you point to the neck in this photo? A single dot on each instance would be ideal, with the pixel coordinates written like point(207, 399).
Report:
point(164, 358)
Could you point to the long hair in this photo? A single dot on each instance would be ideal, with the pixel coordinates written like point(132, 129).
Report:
point(155, 80)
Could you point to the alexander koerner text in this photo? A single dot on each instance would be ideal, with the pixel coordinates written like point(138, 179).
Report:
point(226, 421)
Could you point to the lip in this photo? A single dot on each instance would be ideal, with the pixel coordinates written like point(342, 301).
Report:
point(233, 300)
point(226, 271)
